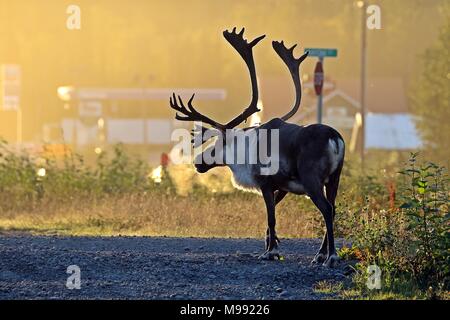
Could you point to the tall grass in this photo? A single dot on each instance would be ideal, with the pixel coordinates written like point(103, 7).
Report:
point(394, 216)
point(117, 195)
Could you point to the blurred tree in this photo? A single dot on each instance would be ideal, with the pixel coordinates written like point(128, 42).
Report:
point(430, 96)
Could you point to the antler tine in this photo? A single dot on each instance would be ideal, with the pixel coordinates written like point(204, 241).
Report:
point(245, 50)
point(173, 103)
point(293, 64)
point(190, 113)
point(191, 108)
point(256, 40)
point(181, 103)
point(237, 39)
point(190, 103)
point(287, 55)
point(303, 57)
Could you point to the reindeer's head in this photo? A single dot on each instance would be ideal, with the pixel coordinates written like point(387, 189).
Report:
point(217, 149)
point(214, 154)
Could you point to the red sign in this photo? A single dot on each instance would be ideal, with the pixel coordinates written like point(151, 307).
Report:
point(318, 78)
point(164, 159)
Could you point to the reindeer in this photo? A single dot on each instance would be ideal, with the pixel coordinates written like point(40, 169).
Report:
point(310, 158)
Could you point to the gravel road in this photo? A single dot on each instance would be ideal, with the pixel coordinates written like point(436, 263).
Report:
point(34, 267)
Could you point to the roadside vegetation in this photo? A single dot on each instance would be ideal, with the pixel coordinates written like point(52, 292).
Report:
point(406, 234)
point(394, 215)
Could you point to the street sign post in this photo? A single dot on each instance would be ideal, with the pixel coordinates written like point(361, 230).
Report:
point(322, 52)
point(318, 84)
point(319, 76)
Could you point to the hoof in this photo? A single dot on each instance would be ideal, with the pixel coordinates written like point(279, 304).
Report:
point(319, 258)
point(277, 241)
point(331, 261)
point(270, 255)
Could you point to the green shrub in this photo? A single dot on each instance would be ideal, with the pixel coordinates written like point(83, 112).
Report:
point(121, 173)
point(19, 182)
point(425, 205)
point(26, 179)
point(408, 241)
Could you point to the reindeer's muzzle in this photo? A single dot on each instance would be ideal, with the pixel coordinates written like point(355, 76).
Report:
point(202, 167)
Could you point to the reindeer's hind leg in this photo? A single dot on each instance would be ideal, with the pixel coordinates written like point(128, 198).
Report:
point(315, 191)
point(331, 189)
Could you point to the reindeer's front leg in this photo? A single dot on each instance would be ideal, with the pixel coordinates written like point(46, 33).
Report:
point(268, 238)
point(321, 255)
point(271, 241)
point(279, 195)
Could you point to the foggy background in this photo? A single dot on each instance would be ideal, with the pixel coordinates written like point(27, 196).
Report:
point(179, 44)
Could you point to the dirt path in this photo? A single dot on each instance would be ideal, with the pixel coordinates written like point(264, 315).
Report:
point(158, 268)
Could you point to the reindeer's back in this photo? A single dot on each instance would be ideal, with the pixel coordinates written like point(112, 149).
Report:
point(310, 147)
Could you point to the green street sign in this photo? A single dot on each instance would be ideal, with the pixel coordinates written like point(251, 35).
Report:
point(321, 52)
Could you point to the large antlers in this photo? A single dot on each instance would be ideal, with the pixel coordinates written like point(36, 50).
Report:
point(245, 50)
point(190, 114)
point(293, 64)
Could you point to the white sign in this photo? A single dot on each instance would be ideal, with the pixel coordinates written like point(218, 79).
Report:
point(90, 109)
point(125, 131)
point(10, 86)
point(159, 131)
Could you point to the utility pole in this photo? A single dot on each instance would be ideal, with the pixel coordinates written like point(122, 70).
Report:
point(319, 95)
point(363, 80)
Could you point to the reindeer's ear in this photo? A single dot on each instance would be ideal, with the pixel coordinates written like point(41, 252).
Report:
point(200, 135)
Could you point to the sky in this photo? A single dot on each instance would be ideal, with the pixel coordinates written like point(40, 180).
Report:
point(179, 44)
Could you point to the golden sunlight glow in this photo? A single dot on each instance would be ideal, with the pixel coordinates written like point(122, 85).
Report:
point(41, 172)
point(156, 174)
point(101, 123)
point(359, 4)
point(103, 84)
point(64, 93)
